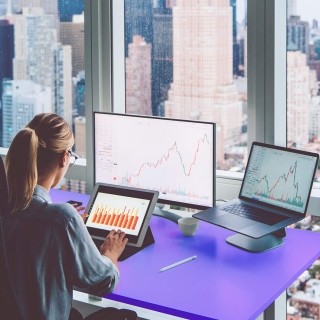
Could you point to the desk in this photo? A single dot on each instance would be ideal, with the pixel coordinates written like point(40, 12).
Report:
point(224, 282)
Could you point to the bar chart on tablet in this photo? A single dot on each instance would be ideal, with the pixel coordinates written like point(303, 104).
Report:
point(118, 212)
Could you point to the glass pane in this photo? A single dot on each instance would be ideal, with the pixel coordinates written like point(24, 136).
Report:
point(187, 59)
point(303, 131)
point(41, 64)
point(303, 75)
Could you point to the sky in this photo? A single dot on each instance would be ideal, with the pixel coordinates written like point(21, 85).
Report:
point(308, 9)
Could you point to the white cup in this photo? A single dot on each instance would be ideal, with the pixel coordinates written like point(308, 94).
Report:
point(188, 225)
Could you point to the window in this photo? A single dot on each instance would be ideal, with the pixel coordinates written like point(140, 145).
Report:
point(303, 75)
point(187, 59)
point(303, 130)
point(41, 65)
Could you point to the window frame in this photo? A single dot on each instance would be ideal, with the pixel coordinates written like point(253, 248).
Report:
point(105, 88)
point(267, 77)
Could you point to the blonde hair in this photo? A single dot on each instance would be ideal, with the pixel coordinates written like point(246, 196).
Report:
point(32, 153)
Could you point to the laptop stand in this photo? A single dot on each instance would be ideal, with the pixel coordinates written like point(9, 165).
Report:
point(267, 242)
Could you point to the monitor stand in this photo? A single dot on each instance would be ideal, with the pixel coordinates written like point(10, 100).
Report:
point(267, 242)
point(158, 211)
point(130, 251)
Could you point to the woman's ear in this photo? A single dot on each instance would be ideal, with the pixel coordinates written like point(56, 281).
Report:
point(63, 159)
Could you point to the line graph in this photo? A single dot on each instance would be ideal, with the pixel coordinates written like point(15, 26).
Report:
point(279, 177)
point(165, 157)
point(173, 157)
point(284, 189)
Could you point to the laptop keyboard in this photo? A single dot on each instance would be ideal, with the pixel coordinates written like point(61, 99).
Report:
point(254, 213)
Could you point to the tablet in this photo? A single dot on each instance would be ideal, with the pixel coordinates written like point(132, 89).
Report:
point(116, 207)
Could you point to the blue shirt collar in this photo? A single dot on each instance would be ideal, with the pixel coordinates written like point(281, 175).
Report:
point(41, 192)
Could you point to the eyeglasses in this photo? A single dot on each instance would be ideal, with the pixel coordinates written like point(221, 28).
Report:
point(73, 157)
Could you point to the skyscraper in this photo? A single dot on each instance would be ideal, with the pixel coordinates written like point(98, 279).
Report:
point(6, 56)
point(138, 20)
point(298, 35)
point(236, 46)
point(203, 85)
point(21, 101)
point(298, 99)
point(79, 100)
point(63, 82)
point(34, 59)
point(72, 33)
point(49, 6)
point(162, 62)
point(80, 136)
point(138, 77)
point(40, 58)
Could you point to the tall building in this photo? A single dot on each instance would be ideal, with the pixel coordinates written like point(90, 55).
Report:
point(79, 96)
point(80, 136)
point(72, 33)
point(298, 35)
point(162, 62)
point(203, 86)
point(6, 56)
point(63, 82)
point(138, 77)
point(314, 119)
point(138, 21)
point(39, 57)
point(34, 59)
point(236, 46)
point(21, 101)
point(49, 6)
point(298, 99)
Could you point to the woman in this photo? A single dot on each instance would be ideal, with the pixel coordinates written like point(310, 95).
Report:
point(48, 249)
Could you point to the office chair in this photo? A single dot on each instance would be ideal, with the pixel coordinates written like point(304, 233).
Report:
point(4, 199)
point(7, 294)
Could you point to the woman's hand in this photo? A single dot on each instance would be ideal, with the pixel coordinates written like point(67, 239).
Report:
point(78, 206)
point(114, 245)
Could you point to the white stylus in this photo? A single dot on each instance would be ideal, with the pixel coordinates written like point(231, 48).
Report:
point(177, 263)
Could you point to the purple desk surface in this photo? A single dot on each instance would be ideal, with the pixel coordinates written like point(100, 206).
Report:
point(224, 282)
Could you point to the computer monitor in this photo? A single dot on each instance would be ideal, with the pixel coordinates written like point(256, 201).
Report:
point(174, 157)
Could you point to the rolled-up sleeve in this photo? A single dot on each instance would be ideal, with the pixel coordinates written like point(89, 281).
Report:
point(90, 269)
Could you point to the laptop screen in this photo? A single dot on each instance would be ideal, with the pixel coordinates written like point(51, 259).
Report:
point(279, 176)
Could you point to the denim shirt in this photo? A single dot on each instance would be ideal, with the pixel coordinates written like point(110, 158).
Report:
point(49, 250)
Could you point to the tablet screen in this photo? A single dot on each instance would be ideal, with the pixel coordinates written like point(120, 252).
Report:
point(115, 207)
point(111, 211)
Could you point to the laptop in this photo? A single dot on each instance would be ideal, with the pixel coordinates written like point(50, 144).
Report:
point(275, 192)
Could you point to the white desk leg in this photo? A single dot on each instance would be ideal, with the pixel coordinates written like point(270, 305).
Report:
point(277, 310)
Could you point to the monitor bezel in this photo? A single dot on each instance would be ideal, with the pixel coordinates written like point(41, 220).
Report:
point(160, 200)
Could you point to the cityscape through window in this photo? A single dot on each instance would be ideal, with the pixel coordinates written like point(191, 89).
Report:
point(186, 59)
point(41, 64)
point(303, 131)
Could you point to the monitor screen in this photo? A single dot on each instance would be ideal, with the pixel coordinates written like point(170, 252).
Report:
point(174, 157)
